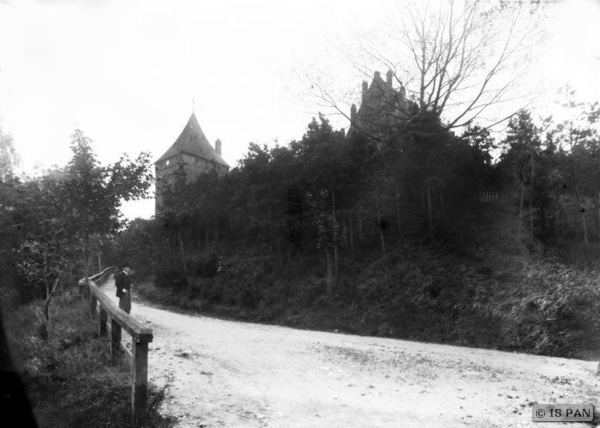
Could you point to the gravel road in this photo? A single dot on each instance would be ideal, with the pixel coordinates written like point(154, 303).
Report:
point(232, 374)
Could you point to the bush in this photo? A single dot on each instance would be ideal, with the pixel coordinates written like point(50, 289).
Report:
point(500, 299)
point(204, 265)
point(66, 374)
point(169, 277)
point(250, 297)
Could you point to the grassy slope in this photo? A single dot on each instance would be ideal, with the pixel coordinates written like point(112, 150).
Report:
point(491, 299)
point(66, 374)
point(482, 284)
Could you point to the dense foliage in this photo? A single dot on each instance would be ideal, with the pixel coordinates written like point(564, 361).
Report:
point(337, 195)
point(51, 225)
point(351, 210)
point(68, 383)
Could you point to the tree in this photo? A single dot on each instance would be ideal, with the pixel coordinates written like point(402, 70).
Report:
point(579, 135)
point(326, 171)
point(524, 142)
point(457, 59)
point(11, 232)
point(460, 48)
point(91, 194)
point(42, 250)
point(9, 158)
point(138, 243)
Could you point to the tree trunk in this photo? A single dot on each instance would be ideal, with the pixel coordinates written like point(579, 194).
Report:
point(579, 208)
point(398, 213)
point(521, 208)
point(360, 228)
point(329, 272)
point(531, 196)
point(429, 213)
point(581, 217)
point(380, 223)
point(345, 230)
point(531, 214)
point(597, 207)
point(86, 239)
point(182, 252)
point(216, 230)
point(576, 193)
point(351, 230)
point(334, 235)
point(49, 295)
point(271, 233)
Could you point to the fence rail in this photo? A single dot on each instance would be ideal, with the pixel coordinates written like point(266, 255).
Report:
point(112, 318)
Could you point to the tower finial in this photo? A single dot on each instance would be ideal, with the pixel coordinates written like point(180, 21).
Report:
point(193, 106)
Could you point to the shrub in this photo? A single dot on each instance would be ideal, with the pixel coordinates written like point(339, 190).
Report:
point(250, 297)
point(204, 265)
point(66, 375)
point(170, 277)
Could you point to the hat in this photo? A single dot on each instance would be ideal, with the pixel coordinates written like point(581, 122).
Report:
point(126, 264)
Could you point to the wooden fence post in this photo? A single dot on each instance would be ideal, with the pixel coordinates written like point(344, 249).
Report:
point(102, 322)
point(92, 305)
point(141, 336)
point(115, 341)
point(139, 371)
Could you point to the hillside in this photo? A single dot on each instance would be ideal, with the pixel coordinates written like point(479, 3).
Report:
point(519, 303)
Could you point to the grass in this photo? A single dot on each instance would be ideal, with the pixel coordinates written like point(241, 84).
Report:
point(487, 298)
point(66, 372)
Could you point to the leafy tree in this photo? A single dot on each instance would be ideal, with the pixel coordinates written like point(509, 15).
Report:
point(137, 243)
point(580, 137)
point(325, 174)
point(9, 158)
point(524, 145)
point(42, 249)
point(9, 217)
point(91, 194)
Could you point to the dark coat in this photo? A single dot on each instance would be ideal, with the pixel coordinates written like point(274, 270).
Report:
point(122, 282)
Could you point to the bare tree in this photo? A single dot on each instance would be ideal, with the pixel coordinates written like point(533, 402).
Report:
point(458, 59)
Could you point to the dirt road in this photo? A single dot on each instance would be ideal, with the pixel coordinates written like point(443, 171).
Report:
point(231, 374)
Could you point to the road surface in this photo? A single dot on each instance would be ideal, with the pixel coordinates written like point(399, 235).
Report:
point(231, 374)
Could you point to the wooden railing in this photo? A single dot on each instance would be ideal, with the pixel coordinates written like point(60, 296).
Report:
point(112, 318)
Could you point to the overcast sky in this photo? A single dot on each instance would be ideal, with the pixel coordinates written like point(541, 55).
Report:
point(125, 72)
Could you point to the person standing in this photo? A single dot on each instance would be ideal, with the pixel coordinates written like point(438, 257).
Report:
point(123, 284)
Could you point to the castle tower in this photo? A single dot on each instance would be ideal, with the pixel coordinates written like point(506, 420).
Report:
point(383, 109)
point(192, 151)
point(389, 79)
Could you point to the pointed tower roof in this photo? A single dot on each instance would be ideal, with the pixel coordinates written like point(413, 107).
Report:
point(193, 142)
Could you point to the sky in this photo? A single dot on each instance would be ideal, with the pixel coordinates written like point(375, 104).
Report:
point(126, 71)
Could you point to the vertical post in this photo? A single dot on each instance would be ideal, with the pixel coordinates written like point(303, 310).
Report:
point(92, 304)
point(139, 388)
point(102, 322)
point(115, 341)
point(83, 289)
